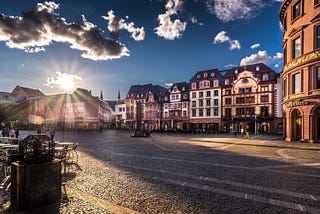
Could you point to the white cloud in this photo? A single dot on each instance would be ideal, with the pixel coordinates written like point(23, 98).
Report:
point(168, 84)
point(255, 46)
point(61, 78)
point(116, 24)
point(42, 26)
point(167, 28)
point(230, 10)
point(222, 37)
point(261, 57)
point(34, 49)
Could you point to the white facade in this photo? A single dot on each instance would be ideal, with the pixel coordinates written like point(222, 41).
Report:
point(205, 103)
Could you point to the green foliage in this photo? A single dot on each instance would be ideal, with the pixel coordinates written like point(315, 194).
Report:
point(13, 112)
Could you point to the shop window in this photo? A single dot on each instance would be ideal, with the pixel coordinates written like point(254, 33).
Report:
point(297, 48)
point(296, 79)
point(296, 10)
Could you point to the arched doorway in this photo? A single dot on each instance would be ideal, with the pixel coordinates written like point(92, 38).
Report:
point(296, 130)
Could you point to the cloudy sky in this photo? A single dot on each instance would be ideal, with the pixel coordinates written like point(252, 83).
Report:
point(110, 45)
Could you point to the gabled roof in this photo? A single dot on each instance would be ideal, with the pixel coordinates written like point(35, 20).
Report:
point(27, 92)
point(180, 86)
point(141, 91)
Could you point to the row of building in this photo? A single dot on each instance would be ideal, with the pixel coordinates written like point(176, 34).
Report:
point(212, 101)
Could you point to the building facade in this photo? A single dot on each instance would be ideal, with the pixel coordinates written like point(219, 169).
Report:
point(176, 108)
point(143, 106)
point(205, 101)
point(249, 99)
point(301, 71)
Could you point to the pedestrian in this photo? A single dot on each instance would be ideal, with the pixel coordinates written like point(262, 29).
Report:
point(242, 131)
point(247, 132)
point(52, 133)
point(43, 130)
point(3, 132)
point(11, 133)
point(17, 133)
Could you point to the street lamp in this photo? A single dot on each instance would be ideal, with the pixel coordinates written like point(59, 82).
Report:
point(255, 124)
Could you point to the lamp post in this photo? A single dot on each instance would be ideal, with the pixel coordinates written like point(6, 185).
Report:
point(255, 124)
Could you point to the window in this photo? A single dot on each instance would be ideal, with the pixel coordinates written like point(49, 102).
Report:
point(193, 113)
point(208, 93)
point(215, 112)
point(296, 79)
point(198, 76)
point(166, 114)
point(194, 95)
point(241, 90)
point(200, 102)
point(216, 92)
point(264, 88)
point(200, 112)
point(239, 100)
point(318, 77)
point(248, 90)
point(228, 101)
point(250, 111)
point(194, 85)
point(265, 98)
point(193, 103)
point(240, 111)
point(165, 106)
point(215, 83)
point(228, 92)
point(227, 81)
point(264, 111)
point(205, 74)
point(318, 36)
point(185, 96)
point(296, 10)
point(184, 113)
point(215, 102)
point(285, 85)
point(265, 77)
point(297, 47)
point(228, 112)
point(201, 94)
point(316, 2)
point(208, 112)
point(208, 102)
point(249, 99)
point(184, 105)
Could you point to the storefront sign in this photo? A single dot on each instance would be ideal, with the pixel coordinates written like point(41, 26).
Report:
point(301, 60)
point(295, 103)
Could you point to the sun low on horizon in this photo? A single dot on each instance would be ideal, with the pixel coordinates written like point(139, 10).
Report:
point(64, 81)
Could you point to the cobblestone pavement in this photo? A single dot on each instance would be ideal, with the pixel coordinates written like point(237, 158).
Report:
point(184, 173)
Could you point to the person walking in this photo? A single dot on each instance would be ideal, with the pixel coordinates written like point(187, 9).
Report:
point(52, 133)
point(11, 133)
point(247, 132)
point(17, 133)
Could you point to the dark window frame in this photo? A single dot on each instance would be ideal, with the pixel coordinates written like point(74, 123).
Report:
point(294, 54)
point(296, 16)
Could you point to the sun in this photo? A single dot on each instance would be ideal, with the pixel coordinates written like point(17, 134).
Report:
point(66, 82)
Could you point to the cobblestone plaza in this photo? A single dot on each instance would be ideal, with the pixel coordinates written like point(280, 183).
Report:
point(184, 173)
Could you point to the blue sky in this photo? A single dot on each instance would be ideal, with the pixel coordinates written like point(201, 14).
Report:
point(110, 45)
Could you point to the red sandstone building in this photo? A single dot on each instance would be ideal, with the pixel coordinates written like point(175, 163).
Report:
point(301, 71)
point(249, 99)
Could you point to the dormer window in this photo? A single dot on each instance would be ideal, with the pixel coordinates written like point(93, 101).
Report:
point(258, 68)
point(236, 71)
point(194, 85)
point(227, 81)
point(183, 88)
point(215, 83)
point(198, 76)
point(212, 74)
point(205, 74)
point(265, 77)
